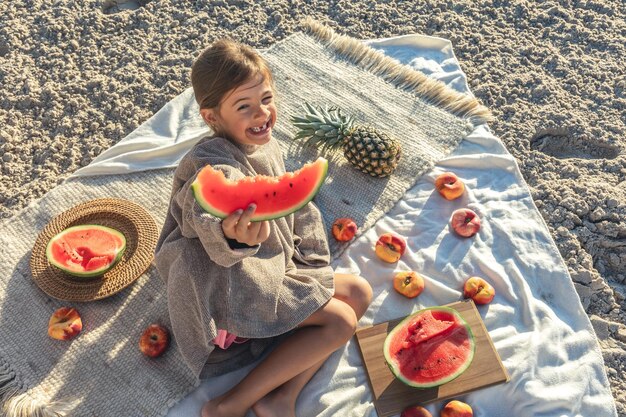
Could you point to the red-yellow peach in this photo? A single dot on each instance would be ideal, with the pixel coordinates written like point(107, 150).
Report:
point(465, 222)
point(154, 340)
point(64, 324)
point(478, 290)
point(449, 186)
point(390, 247)
point(408, 283)
point(415, 411)
point(344, 229)
point(457, 409)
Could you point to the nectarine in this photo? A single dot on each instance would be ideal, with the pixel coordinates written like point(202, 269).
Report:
point(449, 186)
point(478, 290)
point(154, 340)
point(465, 222)
point(344, 229)
point(390, 247)
point(64, 324)
point(457, 409)
point(415, 411)
point(408, 283)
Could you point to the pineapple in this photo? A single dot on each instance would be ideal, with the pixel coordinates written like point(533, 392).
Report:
point(369, 150)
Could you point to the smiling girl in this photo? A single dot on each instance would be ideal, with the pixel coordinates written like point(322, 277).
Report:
point(237, 288)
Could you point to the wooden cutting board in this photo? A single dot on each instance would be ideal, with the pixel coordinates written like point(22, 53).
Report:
point(392, 396)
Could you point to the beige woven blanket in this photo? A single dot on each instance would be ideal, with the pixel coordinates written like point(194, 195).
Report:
point(101, 372)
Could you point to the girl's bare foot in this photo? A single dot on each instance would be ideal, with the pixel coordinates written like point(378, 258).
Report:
point(275, 404)
point(217, 407)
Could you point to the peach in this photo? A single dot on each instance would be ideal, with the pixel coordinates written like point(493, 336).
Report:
point(344, 229)
point(478, 290)
point(408, 283)
point(390, 247)
point(449, 186)
point(154, 340)
point(415, 411)
point(65, 324)
point(465, 222)
point(456, 409)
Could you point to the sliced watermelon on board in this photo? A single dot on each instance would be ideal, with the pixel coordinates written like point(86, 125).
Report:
point(86, 250)
point(430, 347)
point(274, 196)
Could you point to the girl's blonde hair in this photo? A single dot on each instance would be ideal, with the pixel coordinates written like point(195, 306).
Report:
point(222, 67)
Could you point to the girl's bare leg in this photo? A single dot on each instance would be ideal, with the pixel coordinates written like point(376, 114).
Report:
point(352, 290)
point(325, 330)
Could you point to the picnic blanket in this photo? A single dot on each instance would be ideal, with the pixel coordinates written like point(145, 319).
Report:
point(536, 321)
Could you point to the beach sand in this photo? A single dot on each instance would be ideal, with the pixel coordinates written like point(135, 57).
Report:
point(76, 77)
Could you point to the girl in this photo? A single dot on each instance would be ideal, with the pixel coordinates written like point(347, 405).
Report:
point(233, 286)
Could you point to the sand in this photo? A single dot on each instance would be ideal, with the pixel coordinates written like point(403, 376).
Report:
point(76, 77)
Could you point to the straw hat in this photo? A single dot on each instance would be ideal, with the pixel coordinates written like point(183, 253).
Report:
point(129, 218)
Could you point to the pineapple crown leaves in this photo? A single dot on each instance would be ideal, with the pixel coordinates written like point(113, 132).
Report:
point(322, 126)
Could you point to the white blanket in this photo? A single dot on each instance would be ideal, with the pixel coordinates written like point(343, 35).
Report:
point(536, 321)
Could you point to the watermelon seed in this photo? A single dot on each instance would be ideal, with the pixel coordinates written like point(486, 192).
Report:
point(290, 184)
point(274, 193)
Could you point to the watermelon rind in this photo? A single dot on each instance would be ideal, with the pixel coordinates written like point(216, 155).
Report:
point(196, 187)
point(90, 274)
point(396, 372)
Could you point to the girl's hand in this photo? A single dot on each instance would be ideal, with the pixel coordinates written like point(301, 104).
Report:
point(238, 226)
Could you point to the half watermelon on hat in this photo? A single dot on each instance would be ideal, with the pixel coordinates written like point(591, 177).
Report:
point(86, 251)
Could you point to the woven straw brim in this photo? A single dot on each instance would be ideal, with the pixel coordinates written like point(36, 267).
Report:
point(132, 220)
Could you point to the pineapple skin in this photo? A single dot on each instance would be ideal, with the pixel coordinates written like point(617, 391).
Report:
point(371, 151)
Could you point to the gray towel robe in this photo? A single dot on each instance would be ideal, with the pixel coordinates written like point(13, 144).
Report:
point(255, 292)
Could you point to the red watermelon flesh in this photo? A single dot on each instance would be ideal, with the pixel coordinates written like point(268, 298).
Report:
point(427, 325)
point(430, 348)
point(274, 196)
point(86, 250)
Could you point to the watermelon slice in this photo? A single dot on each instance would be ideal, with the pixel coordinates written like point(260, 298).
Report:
point(86, 250)
point(430, 347)
point(274, 196)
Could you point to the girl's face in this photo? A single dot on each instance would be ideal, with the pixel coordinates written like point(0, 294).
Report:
point(247, 114)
